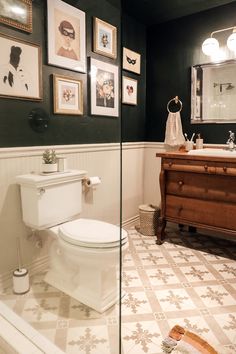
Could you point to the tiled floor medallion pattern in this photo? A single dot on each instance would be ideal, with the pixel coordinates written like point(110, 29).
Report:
point(189, 280)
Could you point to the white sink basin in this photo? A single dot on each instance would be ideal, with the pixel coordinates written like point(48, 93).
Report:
point(213, 152)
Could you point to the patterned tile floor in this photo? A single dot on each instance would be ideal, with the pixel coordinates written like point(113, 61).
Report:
point(189, 280)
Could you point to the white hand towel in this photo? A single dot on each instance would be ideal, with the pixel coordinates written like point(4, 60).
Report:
point(174, 133)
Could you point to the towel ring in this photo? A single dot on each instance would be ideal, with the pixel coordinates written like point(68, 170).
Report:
point(177, 100)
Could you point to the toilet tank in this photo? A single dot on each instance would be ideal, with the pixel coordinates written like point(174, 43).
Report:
point(51, 199)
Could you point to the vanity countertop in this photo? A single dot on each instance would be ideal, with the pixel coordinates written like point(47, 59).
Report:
point(182, 154)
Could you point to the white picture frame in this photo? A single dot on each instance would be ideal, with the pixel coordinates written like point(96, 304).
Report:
point(104, 88)
point(131, 60)
point(66, 36)
point(129, 90)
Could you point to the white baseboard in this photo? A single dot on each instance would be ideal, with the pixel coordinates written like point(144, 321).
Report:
point(131, 222)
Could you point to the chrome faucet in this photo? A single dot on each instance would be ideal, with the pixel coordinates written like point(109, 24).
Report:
point(230, 141)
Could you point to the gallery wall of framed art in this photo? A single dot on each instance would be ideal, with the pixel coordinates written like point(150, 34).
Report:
point(59, 39)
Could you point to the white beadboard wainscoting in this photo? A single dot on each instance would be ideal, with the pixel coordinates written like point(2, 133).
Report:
point(139, 185)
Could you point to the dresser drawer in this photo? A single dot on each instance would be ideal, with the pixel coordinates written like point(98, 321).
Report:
point(210, 213)
point(188, 165)
point(226, 169)
point(201, 186)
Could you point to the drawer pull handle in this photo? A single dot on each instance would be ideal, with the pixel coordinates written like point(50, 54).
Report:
point(180, 209)
point(170, 164)
point(224, 169)
point(206, 167)
point(181, 183)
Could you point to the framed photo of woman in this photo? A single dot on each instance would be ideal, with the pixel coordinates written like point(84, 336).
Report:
point(66, 36)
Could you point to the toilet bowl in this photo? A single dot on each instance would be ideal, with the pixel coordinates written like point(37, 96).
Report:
point(84, 259)
point(85, 254)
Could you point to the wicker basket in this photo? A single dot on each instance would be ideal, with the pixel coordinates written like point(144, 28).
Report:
point(148, 215)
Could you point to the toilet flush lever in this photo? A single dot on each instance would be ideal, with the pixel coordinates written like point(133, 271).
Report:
point(41, 191)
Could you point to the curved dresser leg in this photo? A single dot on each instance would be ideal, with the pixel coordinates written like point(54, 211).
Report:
point(161, 231)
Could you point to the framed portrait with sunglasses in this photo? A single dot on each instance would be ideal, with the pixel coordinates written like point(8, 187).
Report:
point(66, 36)
point(131, 60)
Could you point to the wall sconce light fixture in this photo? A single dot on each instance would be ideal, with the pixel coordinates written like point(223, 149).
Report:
point(211, 45)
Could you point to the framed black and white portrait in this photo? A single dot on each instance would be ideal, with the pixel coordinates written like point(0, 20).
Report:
point(20, 69)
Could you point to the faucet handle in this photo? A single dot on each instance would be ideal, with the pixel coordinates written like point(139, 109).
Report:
point(230, 141)
point(231, 137)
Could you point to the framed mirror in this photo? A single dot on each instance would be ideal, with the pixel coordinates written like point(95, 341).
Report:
point(213, 92)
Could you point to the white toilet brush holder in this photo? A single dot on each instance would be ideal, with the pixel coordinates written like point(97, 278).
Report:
point(21, 281)
point(20, 275)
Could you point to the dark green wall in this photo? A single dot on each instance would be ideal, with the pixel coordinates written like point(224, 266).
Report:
point(63, 129)
point(172, 48)
point(133, 117)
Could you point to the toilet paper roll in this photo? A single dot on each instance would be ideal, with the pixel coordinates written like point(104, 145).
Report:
point(92, 182)
point(21, 281)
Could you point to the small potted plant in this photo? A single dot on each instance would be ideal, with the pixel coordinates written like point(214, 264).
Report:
point(49, 161)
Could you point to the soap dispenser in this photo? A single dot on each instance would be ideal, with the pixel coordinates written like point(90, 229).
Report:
point(199, 142)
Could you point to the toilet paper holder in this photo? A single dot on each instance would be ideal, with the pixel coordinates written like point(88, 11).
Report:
point(91, 182)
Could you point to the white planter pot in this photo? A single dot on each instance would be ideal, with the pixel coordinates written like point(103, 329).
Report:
point(49, 167)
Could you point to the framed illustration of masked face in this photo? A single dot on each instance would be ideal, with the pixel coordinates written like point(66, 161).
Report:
point(66, 36)
point(131, 60)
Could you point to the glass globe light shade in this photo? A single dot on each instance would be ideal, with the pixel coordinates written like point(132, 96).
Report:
point(231, 42)
point(209, 46)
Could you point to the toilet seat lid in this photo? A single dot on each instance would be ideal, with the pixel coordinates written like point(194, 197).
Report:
point(92, 233)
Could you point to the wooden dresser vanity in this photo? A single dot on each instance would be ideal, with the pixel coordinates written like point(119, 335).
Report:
point(198, 191)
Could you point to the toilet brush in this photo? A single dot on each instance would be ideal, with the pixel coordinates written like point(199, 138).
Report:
point(20, 275)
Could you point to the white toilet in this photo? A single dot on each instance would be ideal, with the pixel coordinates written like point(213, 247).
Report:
point(85, 253)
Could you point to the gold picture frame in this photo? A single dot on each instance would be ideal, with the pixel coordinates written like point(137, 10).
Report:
point(68, 95)
point(20, 69)
point(17, 13)
point(104, 38)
